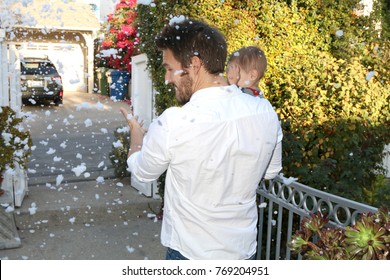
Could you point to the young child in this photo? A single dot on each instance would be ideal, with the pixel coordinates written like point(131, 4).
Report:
point(245, 68)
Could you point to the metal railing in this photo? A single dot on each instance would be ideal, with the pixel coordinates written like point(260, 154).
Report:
point(283, 203)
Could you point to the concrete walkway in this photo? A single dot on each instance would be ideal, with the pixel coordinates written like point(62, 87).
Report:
point(87, 221)
point(82, 218)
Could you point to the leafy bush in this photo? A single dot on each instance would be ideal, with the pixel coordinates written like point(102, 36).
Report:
point(15, 142)
point(325, 95)
point(328, 78)
point(119, 152)
point(151, 20)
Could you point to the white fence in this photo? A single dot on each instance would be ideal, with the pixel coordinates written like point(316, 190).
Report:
point(14, 185)
point(10, 95)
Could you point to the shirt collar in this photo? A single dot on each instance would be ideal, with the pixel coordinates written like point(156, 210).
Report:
point(213, 93)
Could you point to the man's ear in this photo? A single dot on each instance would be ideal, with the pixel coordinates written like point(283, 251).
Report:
point(196, 64)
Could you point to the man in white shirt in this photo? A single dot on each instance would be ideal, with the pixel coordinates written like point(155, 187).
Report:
point(215, 149)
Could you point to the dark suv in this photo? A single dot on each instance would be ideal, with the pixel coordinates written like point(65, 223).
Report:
point(40, 81)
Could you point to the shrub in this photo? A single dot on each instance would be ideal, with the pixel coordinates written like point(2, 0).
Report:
point(151, 20)
point(15, 142)
point(119, 152)
point(328, 78)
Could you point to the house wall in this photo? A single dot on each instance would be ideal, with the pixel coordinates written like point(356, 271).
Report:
point(103, 7)
point(106, 7)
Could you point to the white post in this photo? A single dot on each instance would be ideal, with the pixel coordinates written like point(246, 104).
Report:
point(142, 99)
point(4, 95)
point(142, 92)
point(386, 161)
point(15, 96)
point(89, 60)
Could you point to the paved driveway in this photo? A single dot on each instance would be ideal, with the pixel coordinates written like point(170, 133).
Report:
point(78, 133)
point(90, 215)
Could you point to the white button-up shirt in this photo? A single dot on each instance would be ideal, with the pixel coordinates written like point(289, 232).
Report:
point(216, 149)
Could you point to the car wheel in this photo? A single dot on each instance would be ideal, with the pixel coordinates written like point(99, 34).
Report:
point(58, 102)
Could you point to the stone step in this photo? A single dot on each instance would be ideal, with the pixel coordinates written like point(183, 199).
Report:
point(9, 236)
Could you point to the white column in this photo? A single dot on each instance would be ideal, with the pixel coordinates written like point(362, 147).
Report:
point(4, 95)
point(15, 96)
point(89, 38)
point(142, 100)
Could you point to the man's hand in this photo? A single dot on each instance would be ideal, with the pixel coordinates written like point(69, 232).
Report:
point(132, 121)
point(137, 132)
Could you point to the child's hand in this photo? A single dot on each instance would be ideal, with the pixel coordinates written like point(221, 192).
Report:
point(233, 73)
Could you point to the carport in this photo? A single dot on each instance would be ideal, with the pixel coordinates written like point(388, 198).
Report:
point(65, 32)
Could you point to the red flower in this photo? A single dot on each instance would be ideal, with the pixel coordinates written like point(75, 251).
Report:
point(125, 4)
point(121, 35)
point(121, 44)
point(130, 17)
point(128, 29)
point(130, 44)
point(120, 5)
point(106, 44)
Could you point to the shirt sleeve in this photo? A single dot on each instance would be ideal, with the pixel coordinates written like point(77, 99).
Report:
point(275, 165)
point(153, 158)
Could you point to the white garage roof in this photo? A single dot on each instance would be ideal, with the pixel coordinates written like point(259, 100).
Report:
point(54, 14)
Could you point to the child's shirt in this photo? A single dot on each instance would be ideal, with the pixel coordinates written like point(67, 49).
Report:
point(253, 91)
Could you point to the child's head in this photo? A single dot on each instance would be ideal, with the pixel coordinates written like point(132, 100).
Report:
point(251, 64)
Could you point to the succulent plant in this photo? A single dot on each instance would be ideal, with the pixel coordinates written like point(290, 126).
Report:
point(368, 239)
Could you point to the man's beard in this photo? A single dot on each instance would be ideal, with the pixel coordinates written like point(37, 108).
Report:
point(184, 90)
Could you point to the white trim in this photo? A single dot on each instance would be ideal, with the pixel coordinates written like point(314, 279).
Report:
point(54, 28)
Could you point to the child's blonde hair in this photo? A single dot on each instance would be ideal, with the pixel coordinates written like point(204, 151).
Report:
point(249, 58)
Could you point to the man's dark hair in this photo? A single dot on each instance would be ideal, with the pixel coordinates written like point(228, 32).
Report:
point(195, 38)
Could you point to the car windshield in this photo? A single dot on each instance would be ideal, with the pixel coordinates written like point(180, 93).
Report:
point(38, 68)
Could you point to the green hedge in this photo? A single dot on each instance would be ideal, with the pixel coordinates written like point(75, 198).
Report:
point(119, 152)
point(335, 121)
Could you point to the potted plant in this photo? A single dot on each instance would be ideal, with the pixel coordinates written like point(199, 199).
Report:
point(368, 239)
point(119, 45)
point(15, 143)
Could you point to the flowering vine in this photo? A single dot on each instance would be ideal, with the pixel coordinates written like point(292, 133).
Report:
point(120, 38)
